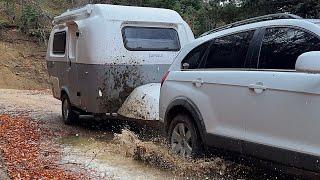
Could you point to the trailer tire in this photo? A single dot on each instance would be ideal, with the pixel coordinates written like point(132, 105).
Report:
point(69, 117)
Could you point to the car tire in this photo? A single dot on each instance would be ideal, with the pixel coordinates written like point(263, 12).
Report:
point(69, 117)
point(183, 137)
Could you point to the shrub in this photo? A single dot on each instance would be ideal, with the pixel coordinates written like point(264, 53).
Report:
point(28, 19)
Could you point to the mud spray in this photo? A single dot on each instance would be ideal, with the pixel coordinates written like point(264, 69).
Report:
point(159, 156)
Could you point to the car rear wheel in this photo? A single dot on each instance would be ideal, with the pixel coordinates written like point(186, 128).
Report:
point(68, 115)
point(183, 137)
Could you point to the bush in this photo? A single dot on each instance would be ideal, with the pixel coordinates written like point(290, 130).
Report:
point(28, 19)
point(9, 7)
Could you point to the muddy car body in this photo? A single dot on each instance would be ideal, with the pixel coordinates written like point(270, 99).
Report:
point(108, 59)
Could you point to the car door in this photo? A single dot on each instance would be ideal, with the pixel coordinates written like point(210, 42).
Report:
point(284, 104)
point(219, 87)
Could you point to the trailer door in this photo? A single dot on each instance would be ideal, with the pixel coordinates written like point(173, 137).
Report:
point(73, 79)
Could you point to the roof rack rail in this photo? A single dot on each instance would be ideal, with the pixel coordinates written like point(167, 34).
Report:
point(254, 20)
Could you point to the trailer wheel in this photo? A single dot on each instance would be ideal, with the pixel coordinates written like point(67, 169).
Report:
point(68, 115)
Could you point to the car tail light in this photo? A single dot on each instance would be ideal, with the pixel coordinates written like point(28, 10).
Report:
point(164, 77)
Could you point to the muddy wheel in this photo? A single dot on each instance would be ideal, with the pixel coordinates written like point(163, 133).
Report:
point(68, 115)
point(183, 137)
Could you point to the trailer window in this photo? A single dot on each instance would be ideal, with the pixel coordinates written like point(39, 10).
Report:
point(150, 39)
point(59, 43)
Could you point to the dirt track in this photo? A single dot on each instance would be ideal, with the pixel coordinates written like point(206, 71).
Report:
point(83, 147)
point(90, 148)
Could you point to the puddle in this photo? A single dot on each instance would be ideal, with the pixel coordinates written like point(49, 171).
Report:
point(101, 156)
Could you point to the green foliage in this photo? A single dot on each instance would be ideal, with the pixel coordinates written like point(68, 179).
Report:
point(28, 19)
point(304, 8)
point(201, 15)
point(9, 6)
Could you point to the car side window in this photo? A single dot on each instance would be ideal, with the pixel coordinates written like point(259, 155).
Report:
point(281, 46)
point(229, 51)
point(195, 56)
point(59, 43)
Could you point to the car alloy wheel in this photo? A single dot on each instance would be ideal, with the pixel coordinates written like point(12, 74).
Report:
point(181, 140)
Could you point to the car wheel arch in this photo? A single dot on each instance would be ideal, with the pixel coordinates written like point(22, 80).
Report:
point(183, 104)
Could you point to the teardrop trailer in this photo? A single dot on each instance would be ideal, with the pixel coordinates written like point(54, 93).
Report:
point(109, 60)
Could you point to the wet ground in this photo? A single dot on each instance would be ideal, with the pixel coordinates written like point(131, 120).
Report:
point(100, 156)
point(106, 151)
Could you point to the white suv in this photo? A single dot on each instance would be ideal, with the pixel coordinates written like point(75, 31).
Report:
point(252, 87)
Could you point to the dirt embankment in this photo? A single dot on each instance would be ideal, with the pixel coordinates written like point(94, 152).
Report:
point(22, 61)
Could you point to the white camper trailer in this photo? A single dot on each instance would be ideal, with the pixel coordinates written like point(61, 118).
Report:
point(107, 59)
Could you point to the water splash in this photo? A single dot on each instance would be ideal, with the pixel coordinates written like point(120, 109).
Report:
point(161, 157)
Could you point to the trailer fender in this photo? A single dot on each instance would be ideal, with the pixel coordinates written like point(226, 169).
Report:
point(55, 86)
point(143, 103)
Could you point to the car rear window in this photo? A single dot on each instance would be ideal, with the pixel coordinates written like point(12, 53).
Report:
point(150, 39)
